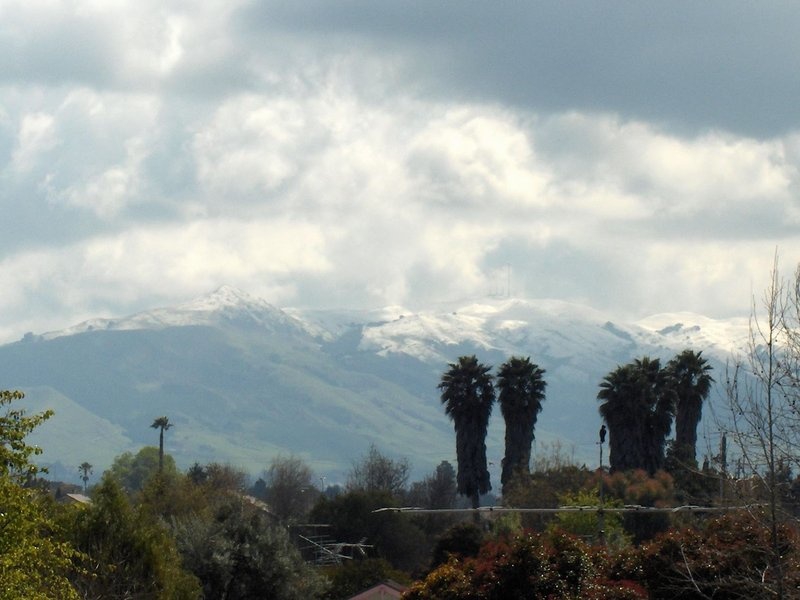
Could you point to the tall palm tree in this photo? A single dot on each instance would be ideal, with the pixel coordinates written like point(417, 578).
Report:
point(638, 406)
point(689, 373)
point(467, 394)
point(161, 423)
point(85, 469)
point(521, 384)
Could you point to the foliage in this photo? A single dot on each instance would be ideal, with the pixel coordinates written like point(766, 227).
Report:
point(725, 557)
point(638, 404)
point(376, 472)
point(237, 553)
point(521, 384)
point(442, 488)
point(355, 576)
point(34, 563)
point(15, 425)
point(129, 553)
point(640, 489)
point(586, 524)
point(393, 536)
point(133, 470)
point(729, 557)
point(290, 490)
point(527, 566)
point(545, 488)
point(467, 393)
point(437, 490)
point(460, 541)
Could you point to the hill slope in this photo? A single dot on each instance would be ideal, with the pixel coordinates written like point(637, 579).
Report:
point(243, 381)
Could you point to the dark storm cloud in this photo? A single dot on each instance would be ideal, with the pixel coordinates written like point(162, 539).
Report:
point(691, 65)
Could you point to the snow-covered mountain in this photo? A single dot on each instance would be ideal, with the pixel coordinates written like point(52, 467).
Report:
point(243, 380)
point(226, 306)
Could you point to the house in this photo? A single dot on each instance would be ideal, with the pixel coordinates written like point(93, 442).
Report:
point(383, 591)
point(75, 499)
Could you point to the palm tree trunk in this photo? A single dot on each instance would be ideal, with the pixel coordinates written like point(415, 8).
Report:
point(161, 451)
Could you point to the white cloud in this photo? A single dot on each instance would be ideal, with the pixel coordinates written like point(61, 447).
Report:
point(35, 138)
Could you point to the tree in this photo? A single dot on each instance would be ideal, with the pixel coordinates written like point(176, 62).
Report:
point(237, 554)
point(130, 553)
point(528, 565)
point(162, 424)
point(393, 536)
point(85, 469)
point(762, 392)
point(689, 375)
point(521, 384)
point(638, 406)
point(133, 470)
point(723, 557)
point(462, 540)
point(467, 393)
point(586, 524)
point(290, 490)
point(377, 472)
point(33, 562)
point(15, 425)
point(441, 486)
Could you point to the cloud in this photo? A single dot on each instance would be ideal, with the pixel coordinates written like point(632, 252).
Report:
point(375, 153)
point(715, 65)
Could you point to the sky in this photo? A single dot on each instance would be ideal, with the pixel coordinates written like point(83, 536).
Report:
point(635, 157)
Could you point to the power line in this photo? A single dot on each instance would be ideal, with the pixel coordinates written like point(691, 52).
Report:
point(628, 508)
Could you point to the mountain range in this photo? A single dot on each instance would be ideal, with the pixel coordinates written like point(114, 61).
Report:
point(243, 381)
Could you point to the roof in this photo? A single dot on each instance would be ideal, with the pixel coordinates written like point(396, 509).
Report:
point(385, 589)
point(79, 498)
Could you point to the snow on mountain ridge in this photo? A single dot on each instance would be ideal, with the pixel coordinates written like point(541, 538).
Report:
point(720, 336)
point(226, 304)
point(508, 325)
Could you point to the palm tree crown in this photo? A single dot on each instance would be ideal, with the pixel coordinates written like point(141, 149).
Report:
point(161, 423)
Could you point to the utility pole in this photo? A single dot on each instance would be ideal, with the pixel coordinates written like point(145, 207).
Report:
point(723, 469)
point(601, 516)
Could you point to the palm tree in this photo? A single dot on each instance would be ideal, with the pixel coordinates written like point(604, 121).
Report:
point(85, 469)
point(467, 394)
point(638, 406)
point(689, 373)
point(521, 385)
point(161, 423)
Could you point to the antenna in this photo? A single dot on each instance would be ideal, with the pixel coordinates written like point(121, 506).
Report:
point(508, 278)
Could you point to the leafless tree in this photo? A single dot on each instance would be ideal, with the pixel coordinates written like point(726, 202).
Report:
point(377, 472)
point(762, 388)
point(290, 490)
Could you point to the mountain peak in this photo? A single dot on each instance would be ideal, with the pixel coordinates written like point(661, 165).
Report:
point(224, 297)
point(225, 306)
